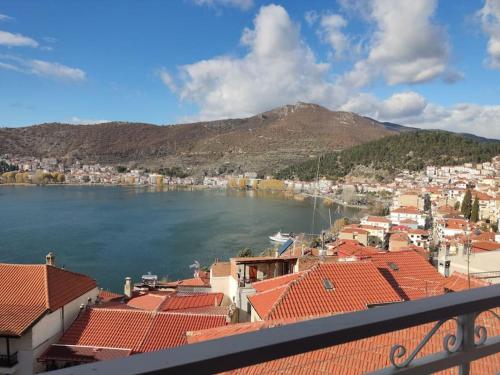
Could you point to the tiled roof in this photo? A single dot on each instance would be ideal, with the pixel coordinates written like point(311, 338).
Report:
point(459, 281)
point(348, 248)
point(480, 246)
point(354, 286)
point(409, 273)
point(169, 329)
point(179, 302)
point(407, 210)
point(275, 282)
point(357, 357)
point(400, 236)
point(378, 219)
point(29, 291)
point(148, 301)
point(108, 296)
point(109, 328)
point(221, 269)
point(112, 333)
point(354, 230)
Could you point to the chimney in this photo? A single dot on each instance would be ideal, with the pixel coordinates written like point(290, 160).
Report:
point(128, 287)
point(50, 259)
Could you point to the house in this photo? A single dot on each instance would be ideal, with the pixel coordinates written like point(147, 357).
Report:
point(412, 213)
point(326, 288)
point(38, 302)
point(419, 237)
point(377, 221)
point(355, 234)
point(109, 333)
point(398, 240)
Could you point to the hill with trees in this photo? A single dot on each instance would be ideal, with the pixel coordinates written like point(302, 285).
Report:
point(410, 150)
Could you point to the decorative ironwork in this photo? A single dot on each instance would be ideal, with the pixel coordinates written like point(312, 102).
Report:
point(480, 331)
point(451, 343)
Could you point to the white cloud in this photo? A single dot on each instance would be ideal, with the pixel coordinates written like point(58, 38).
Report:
point(311, 16)
point(79, 121)
point(42, 68)
point(330, 31)
point(490, 19)
point(242, 4)
point(16, 40)
point(4, 17)
point(279, 68)
point(167, 79)
point(412, 109)
point(406, 46)
point(56, 70)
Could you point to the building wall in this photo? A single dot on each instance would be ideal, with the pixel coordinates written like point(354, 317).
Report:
point(222, 285)
point(479, 262)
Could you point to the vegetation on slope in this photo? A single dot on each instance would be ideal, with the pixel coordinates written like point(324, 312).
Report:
point(413, 151)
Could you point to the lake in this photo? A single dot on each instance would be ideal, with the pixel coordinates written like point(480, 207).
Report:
point(109, 233)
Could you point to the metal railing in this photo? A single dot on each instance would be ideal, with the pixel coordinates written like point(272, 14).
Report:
point(8, 360)
point(467, 344)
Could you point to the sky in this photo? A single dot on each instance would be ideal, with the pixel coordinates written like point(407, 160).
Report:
point(420, 63)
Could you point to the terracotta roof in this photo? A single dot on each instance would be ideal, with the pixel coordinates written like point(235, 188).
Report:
point(275, 282)
point(108, 296)
point(378, 219)
point(480, 246)
point(407, 210)
point(348, 248)
point(408, 221)
point(459, 281)
point(409, 273)
point(354, 230)
point(357, 357)
point(179, 302)
point(481, 196)
point(420, 232)
point(169, 329)
point(221, 269)
point(148, 301)
point(400, 236)
point(484, 236)
point(354, 286)
point(29, 291)
point(134, 330)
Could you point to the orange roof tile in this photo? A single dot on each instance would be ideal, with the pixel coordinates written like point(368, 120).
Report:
point(179, 302)
point(275, 282)
point(29, 291)
point(355, 286)
point(378, 219)
point(148, 301)
point(480, 246)
point(409, 273)
point(83, 354)
point(108, 296)
point(407, 210)
point(459, 281)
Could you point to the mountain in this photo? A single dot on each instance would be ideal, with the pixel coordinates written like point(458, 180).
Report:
point(262, 143)
point(381, 158)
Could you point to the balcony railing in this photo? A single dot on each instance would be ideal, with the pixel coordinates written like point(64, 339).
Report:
point(8, 360)
point(468, 343)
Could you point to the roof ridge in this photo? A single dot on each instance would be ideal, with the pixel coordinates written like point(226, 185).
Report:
point(289, 286)
point(46, 279)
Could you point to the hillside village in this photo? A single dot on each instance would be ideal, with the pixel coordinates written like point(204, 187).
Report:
point(440, 235)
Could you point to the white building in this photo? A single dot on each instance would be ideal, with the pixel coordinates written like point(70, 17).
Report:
point(40, 301)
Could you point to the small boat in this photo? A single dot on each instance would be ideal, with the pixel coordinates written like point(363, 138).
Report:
point(281, 237)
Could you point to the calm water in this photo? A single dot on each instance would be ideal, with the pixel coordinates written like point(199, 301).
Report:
point(113, 232)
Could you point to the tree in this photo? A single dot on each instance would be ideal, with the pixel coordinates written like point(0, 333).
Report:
point(466, 207)
point(474, 217)
point(339, 224)
point(121, 169)
point(245, 253)
point(457, 206)
point(427, 203)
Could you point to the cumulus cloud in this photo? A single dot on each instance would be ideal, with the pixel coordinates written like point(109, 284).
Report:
point(412, 109)
point(490, 19)
point(16, 40)
point(406, 46)
point(242, 4)
point(330, 31)
point(278, 68)
point(167, 79)
point(42, 68)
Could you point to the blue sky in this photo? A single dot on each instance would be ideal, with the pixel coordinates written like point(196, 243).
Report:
point(415, 62)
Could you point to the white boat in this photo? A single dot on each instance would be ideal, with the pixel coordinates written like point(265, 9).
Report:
point(281, 237)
